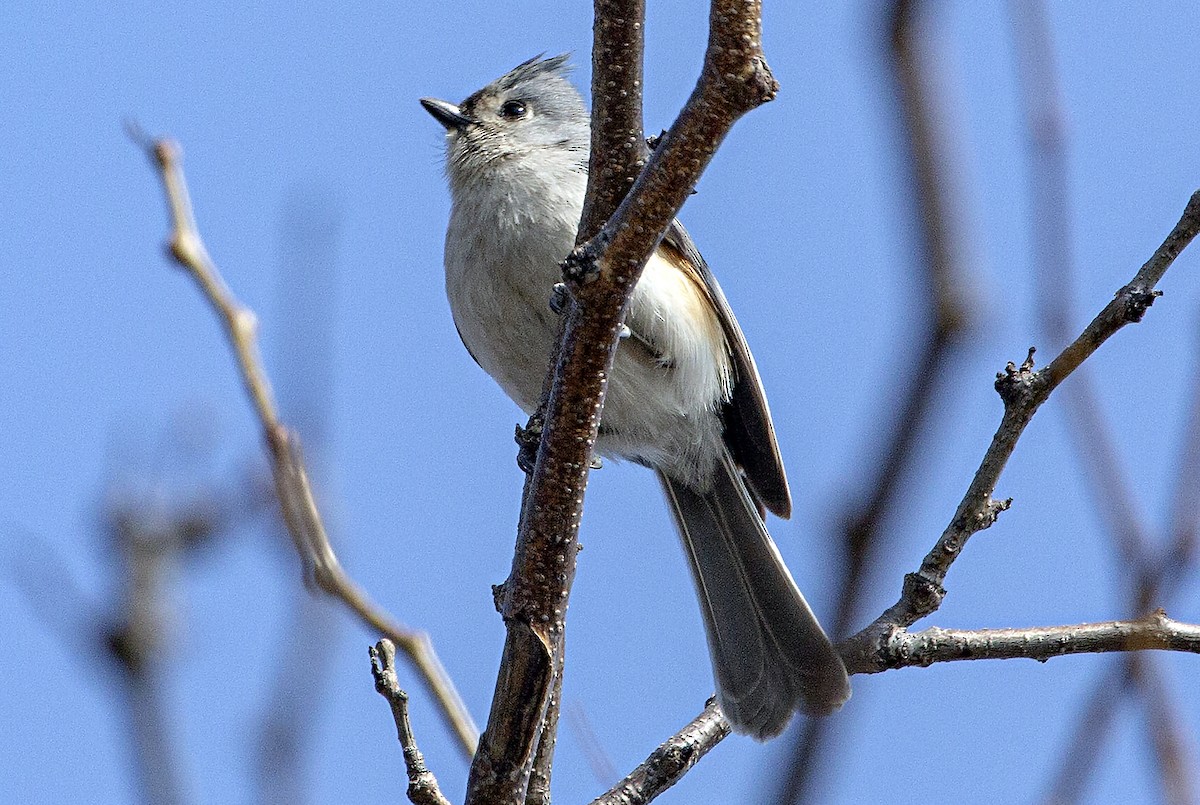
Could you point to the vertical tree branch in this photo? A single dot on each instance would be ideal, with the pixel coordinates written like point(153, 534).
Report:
point(618, 139)
point(617, 155)
point(600, 276)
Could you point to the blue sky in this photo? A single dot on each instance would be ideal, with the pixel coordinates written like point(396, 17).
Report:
point(107, 355)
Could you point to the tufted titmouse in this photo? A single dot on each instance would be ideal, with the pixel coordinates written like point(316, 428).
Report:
point(684, 397)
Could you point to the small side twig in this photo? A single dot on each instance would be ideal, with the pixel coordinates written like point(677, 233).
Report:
point(297, 504)
point(422, 785)
point(670, 761)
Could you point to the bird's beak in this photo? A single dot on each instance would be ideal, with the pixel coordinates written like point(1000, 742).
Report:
point(445, 113)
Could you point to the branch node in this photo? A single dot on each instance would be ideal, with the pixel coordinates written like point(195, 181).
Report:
point(1137, 301)
point(991, 511)
point(560, 298)
point(582, 265)
point(923, 594)
point(1016, 382)
point(762, 81)
point(528, 438)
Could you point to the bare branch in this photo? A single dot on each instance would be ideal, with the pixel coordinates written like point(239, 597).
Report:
point(1023, 390)
point(297, 505)
point(422, 785)
point(618, 140)
point(900, 648)
point(600, 275)
point(904, 649)
point(670, 761)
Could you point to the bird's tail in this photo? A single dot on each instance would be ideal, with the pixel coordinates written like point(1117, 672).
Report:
point(770, 656)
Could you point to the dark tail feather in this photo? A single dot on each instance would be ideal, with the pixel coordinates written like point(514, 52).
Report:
point(770, 656)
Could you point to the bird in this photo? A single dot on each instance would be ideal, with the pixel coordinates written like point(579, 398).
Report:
point(684, 397)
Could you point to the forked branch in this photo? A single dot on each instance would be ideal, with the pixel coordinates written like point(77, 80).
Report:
point(886, 643)
point(600, 277)
point(1023, 390)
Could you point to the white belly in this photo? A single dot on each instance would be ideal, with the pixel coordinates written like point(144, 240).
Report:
point(661, 404)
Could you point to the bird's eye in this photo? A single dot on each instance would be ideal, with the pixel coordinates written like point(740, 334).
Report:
point(513, 110)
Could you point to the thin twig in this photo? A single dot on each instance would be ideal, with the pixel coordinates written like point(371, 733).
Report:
point(422, 785)
point(600, 276)
point(298, 507)
point(1096, 717)
point(589, 743)
point(904, 649)
point(670, 761)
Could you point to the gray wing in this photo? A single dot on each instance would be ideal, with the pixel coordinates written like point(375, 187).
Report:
point(748, 429)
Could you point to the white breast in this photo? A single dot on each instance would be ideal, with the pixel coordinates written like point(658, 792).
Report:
point(502, 261)
point(501, 264)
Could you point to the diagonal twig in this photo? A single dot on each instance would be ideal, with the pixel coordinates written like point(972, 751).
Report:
point(670, 761)
point(297, 505)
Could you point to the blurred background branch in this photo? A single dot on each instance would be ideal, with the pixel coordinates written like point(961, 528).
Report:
point(1149, 571)
point(297, 502)
point(943, 300)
